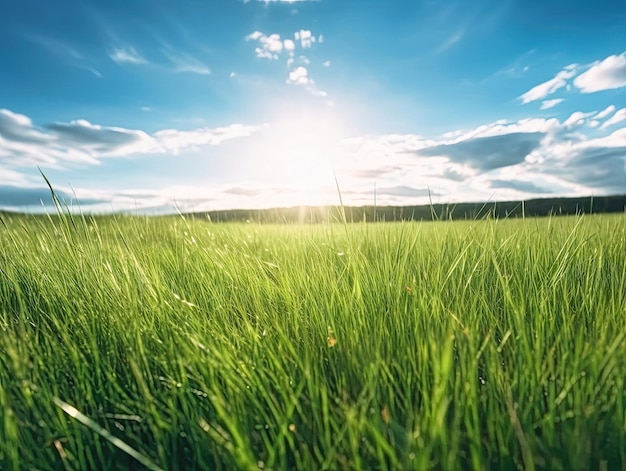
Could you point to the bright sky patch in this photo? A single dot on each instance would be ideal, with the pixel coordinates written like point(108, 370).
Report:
point(258, 103)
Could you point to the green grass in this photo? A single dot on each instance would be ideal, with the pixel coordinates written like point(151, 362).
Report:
point(183, 344)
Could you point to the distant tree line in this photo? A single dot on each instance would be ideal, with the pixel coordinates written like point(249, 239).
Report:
point(452, 211)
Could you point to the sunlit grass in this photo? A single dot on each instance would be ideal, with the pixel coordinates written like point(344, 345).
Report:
point(184, 344)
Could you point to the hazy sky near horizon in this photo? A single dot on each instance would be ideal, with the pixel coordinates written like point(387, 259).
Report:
point(197, 105)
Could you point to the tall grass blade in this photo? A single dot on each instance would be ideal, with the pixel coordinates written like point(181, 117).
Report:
point(104, 433)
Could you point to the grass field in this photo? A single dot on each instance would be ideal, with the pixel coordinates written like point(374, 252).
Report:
point(183, 344)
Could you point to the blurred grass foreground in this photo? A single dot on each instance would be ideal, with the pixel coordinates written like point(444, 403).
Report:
point(177, 343)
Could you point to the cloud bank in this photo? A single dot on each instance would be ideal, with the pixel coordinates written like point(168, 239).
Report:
point(22, 144)
point(501, 160)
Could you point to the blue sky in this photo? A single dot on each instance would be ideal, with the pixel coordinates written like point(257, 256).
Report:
point(151, 106)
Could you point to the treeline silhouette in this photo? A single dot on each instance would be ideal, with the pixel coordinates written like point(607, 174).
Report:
point(452, 211)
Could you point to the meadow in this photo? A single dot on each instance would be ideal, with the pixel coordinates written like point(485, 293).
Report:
point(177, 343)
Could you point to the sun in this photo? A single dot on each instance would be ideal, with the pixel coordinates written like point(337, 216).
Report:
point(300, 153)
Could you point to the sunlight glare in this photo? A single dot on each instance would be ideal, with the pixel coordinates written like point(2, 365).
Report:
point(300, 154)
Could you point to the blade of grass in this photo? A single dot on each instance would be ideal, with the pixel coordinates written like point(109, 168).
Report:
point(104, 433)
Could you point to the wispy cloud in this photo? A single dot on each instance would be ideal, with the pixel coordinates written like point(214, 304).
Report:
point(56, 46)
point(547, 104)
point(69, 53)
point(451, 41)
point(12, 178)
point(577, 118)
point(515, 69)
point(549, 87)
point(93, 70)
point(186, 63)
point(127, 55)
point(174, 140)
point(618, 117)
point(607, 74)
point(280, 1)
point(606, 112)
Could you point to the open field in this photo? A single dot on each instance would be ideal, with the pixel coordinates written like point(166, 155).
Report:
point(193, 345)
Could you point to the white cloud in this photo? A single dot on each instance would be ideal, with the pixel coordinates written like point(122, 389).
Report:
point(273, 43)
point(175, 141)
point(618, 117)
point(577, 119)
point(24, 145)
point(501, 127)
point(547, 104)
point(548, 88)
point(305, 37)
point(610, 73)
point(79, 141)
point(607, 74)
point(615, 140)
point(326, 64)
point(254, 36)
point(262, 53)
point(11, 177)
point(270, 46)
point(530, 157)
point(127, 55)
point(273, 47)
point(495, 161)
point(604, 113)
point(300, 76)
point(18, 127)
point(96, 141)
